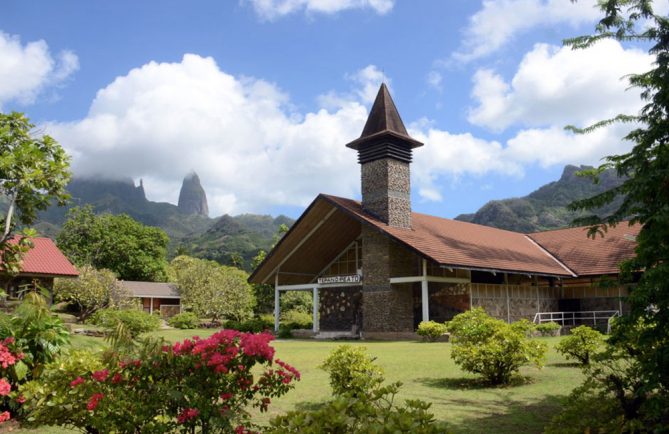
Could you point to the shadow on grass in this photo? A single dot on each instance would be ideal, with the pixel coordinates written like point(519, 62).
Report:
point(505, 416)
point(565, 365)
point(464, 383)
point(308, 406)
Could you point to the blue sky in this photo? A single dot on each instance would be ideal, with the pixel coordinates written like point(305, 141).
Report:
point(260, 96)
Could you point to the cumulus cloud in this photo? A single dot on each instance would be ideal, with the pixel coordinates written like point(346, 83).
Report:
point(274, 9)
point(250, 149)
point(253, 151)
point(26, 70)
point(499, 21)
point(559, 86)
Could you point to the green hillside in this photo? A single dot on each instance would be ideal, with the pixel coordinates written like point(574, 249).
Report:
point(545, 208)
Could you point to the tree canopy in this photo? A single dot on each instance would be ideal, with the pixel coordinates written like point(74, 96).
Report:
point(116, 242)
point(211, 290)
point(34, 171)
point(643, 336)
point(92, 290)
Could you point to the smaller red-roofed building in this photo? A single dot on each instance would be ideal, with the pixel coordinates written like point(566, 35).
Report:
point(41, 265)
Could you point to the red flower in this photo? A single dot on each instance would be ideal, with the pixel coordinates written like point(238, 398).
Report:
point(4, 416)
point(100, 376)
point(117, 378)
point(94, 401)
point(187, 415)
point(5, 387)
point(226, 396)
point(77, 381)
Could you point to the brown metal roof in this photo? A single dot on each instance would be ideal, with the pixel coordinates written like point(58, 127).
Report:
point(152, 289)
point(331, 223)
point(588, 256)
point(464, 245)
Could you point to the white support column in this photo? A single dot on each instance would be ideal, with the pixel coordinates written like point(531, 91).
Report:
point(620, 302)
point(277, 304)
point(316, 324)
point(424, 293)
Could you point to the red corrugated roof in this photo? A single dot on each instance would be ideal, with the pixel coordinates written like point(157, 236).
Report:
point(46, 259)
point(461, 244)
point(588, 256)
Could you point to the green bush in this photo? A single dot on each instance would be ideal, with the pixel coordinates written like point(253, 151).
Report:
point(184, 320)
point(352, 371)
point(375, 412)
point(254, 325)
point(295, 319)
point(581, 344)
point(492, 348)
point(548, 328)
point(39, 334)
point(361, 404)
point(54, 388)
point(135, 321)
point(431, 330)
point(524, 326)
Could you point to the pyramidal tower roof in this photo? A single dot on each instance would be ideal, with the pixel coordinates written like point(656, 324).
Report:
point(385, 130)
point(384, 115)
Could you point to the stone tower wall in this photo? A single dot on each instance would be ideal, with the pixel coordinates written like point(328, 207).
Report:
point(386, 191)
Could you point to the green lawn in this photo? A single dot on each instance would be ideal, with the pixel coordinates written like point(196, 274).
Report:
point(428, 373)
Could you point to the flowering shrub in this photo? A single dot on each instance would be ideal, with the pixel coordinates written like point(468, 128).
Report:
point(203, 385)
point(185, 320)
point(135, 321)
point(9, 357)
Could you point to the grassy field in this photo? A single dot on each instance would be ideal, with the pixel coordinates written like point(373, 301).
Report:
point(428, 373)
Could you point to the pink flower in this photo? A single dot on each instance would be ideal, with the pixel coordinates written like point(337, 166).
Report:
point(94, 401)
point(100, 376)
point(5, 387)
point(21, 399)
point(4, 416)
point(117, 378)
point(77, 381)
point(187, 415)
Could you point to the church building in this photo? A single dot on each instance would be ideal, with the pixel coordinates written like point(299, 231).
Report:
point(376, 269)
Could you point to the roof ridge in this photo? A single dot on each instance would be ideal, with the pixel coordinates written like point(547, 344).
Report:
point(549, 254)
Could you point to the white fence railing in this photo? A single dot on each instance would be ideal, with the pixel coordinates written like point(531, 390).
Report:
point(593, 317)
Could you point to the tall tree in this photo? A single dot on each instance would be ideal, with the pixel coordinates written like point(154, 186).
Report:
point(34, 170)
point(116, 242)
point(644, 334)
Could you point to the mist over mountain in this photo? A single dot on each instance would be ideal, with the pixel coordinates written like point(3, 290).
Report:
point(190, 230)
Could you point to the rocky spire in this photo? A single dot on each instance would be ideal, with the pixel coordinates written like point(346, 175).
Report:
point(192, 198)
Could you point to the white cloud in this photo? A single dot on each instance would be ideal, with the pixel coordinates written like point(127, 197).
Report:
point(434, 80)
point(239, 134)
point(273, 9)
point(559, 86)
point(26, 70)
point(453, 156)
point(499, 21)
point(555, 146)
